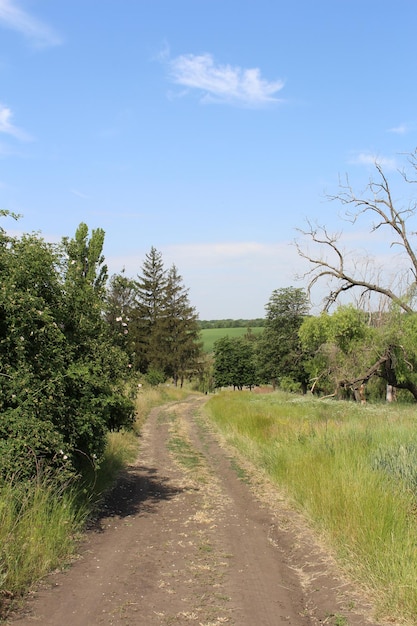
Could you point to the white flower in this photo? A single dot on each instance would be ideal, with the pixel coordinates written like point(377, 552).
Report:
point(119, 319)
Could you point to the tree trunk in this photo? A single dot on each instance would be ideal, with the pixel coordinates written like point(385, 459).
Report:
point(390, 393)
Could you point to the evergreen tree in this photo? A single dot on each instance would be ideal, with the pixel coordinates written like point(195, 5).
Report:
point(178, 330)
point(150, 294)
point(164, 327)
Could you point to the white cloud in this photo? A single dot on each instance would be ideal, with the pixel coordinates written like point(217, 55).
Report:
point(12, 16)
point(226, 279)
point(223, 83)
point(402, 129)
point(7, 127)
point(368, 158)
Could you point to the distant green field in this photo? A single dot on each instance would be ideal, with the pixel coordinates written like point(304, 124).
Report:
point(210, 335)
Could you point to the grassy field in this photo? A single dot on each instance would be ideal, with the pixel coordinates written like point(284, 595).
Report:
point(352, 470)
point(210, 335)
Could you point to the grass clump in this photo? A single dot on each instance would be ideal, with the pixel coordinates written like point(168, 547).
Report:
point(351, 469)
point(39, 527)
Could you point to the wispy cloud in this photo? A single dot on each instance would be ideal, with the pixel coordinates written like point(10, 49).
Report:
point(12, 16)
point(402, 129)
point(223, 83)
point(369, 158)
point(79, 194)
point(8, 128)
point(226, 279)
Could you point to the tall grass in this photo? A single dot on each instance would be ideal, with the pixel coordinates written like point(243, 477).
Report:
point(340, 464)
point(39, 526)
point(41, 522)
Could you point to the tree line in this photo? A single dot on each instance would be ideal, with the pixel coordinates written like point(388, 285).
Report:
point(152, 319)
point(72, 343)
point(366, 348)
point(257, 322)
point(347, 354)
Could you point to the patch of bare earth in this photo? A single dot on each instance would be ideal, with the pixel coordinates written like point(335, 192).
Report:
point(183, 540)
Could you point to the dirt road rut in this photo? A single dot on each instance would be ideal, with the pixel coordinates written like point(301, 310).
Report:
point(183, 539)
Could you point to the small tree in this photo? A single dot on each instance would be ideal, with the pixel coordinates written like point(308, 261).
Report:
point(234, 363)
point(278, 348)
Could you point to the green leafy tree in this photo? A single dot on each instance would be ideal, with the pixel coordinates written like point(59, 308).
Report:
point(234, 363)
point(338, 348)
point(60, 372)
point(278, 348)
point(96, 367)
point(119, 307)
point(32, 357)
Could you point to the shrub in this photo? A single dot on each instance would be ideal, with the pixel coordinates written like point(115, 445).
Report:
point(155, 377)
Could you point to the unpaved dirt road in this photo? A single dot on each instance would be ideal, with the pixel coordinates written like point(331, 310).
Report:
point(187, 537)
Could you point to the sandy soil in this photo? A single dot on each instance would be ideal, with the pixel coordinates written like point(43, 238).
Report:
point(190, 536)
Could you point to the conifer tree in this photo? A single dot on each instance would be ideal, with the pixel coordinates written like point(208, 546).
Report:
point(150, 294)
point(179, 329)
point(164, 325)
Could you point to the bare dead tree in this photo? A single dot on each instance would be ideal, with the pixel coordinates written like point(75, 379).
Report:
point(329, 260)
point(346, 273)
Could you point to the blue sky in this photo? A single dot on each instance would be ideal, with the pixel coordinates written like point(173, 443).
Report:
point(210, 129)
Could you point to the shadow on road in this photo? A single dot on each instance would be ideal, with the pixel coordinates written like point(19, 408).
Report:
point(138, 490)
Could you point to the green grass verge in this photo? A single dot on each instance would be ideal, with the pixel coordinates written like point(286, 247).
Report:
point(41, 523)
point(351, 469)
point(39, 527)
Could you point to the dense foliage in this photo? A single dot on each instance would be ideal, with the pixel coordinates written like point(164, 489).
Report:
point(346, 354)
point(69, 345)
point(279, 352)
point(234, 363)
point(61, 375)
